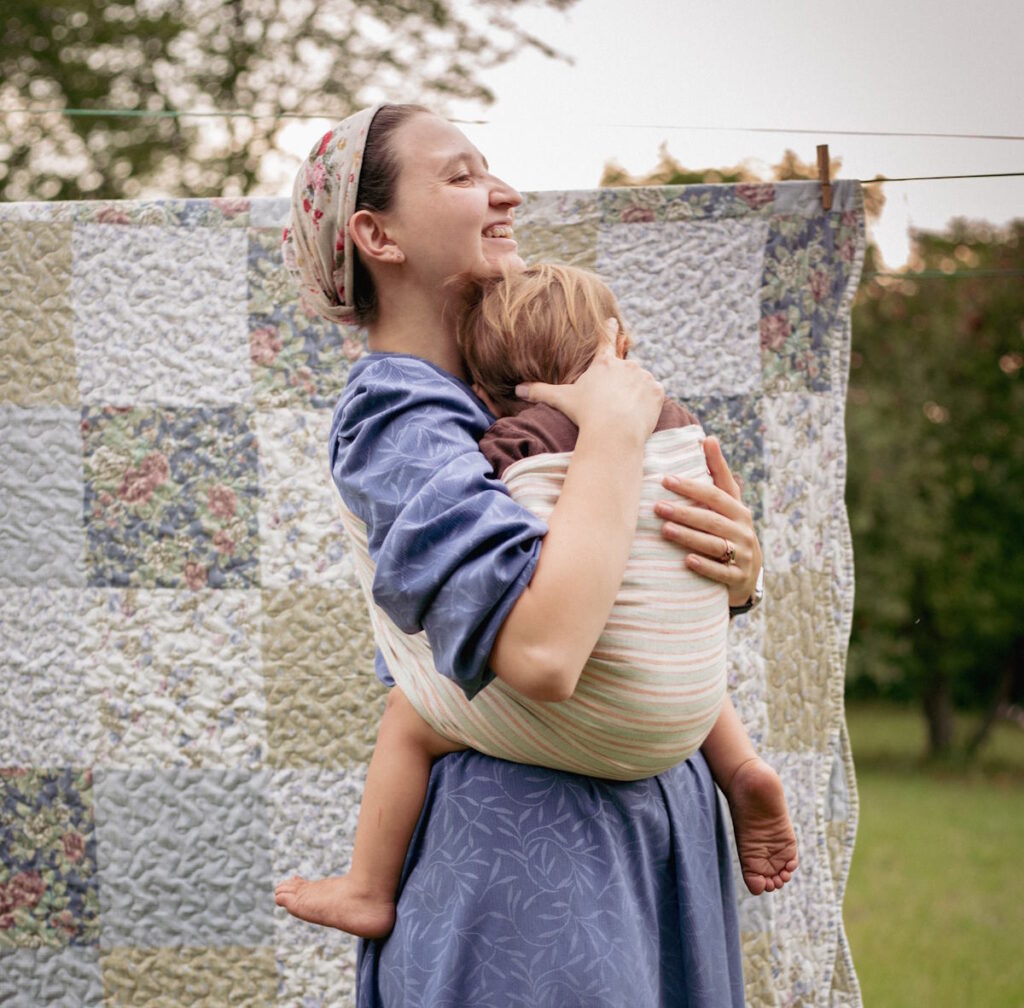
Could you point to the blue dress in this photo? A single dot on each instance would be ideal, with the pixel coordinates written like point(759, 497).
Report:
point(522, 886)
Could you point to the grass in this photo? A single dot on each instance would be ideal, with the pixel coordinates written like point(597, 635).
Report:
point(933, 908)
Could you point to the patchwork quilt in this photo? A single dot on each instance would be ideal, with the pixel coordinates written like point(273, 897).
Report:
point(187, 698)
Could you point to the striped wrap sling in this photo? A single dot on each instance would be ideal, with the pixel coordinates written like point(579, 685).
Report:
point(656, 679)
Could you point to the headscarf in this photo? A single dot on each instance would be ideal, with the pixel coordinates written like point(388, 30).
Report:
point(316, 246)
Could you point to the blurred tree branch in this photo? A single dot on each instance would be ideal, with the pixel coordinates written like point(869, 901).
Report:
point(262, 56)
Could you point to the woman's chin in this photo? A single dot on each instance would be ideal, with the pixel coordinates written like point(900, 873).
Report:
point(497, 262)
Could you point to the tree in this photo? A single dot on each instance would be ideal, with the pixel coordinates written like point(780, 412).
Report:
point(324, 57)
point(935, 424)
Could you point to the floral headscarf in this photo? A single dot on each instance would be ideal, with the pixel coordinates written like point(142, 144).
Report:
point(316, 246)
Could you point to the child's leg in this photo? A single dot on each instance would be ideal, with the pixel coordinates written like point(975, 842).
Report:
point(765, 839)
point(363, 901)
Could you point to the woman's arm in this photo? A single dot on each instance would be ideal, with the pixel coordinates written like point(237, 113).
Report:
point(549, 634)
point(704, 527)
point(454, 553)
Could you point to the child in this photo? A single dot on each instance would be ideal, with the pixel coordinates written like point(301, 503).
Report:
point(654, 689)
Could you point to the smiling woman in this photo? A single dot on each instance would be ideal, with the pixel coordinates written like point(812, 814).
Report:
point(449, 217)
point(647, 914)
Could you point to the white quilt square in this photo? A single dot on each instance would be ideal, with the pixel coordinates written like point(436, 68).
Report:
point(690, 293)
point(160, 315)
point(301, 535)
point(48, 710)
point(42, 535)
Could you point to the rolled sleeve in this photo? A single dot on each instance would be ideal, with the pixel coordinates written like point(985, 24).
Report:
point(452, 550)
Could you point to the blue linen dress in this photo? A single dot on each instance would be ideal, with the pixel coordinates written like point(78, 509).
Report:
point(522, 886)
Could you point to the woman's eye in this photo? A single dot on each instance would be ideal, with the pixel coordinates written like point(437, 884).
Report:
point(464, 177)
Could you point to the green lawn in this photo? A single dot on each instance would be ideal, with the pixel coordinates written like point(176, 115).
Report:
point(934, 909)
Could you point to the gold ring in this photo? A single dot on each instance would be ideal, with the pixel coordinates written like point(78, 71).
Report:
point(729, 556)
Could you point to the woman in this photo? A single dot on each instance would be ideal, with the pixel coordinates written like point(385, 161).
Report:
point(522, 886)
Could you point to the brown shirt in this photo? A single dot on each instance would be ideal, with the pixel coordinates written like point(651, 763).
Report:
point(541, 428)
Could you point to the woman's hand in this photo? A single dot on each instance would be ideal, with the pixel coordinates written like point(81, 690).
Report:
point(716, 517)
point(613, 395)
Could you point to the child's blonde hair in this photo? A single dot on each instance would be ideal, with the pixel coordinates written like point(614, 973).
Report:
point(541, 324)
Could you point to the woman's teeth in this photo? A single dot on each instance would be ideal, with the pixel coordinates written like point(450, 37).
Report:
point(499, 231)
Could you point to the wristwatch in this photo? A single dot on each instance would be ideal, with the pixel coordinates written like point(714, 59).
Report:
point(755, 598)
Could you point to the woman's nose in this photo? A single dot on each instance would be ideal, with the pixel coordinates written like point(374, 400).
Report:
point(502, 194)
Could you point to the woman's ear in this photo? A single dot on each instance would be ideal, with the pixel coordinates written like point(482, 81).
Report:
point(372, 240)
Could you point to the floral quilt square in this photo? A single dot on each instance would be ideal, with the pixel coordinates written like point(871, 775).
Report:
point(298, 359)
point(42, 541)
point(301, 536)
point(171, 300)
point(175, 678)
point(48, 879)
point(184, 858)
point(650, 204)
point(171, 497)
point(37, 353)
point(216, 212)
point(807, 449)
point(808, 262)
point(737, 423)
point(689, 296)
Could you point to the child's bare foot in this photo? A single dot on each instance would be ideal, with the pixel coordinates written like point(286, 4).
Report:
point(337, 902)
point(765, 839)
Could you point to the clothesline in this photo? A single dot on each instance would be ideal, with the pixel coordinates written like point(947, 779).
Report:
point(934, 178)
point(242, 114)
point(878, 180)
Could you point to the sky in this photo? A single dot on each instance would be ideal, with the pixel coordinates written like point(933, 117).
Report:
point(641, 73)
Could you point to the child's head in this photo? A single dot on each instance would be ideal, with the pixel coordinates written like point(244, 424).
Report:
point(542, 324)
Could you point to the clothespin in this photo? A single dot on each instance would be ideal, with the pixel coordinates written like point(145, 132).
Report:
point(823, 170)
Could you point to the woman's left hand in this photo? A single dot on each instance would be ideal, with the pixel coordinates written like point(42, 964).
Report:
point(716, 520)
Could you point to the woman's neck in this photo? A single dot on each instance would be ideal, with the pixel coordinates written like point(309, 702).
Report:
point(422, 330)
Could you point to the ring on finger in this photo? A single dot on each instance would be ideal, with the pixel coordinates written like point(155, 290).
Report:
point(729, 554)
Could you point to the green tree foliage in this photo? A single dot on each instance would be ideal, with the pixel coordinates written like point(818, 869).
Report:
point(305, 56)
point(935, 425)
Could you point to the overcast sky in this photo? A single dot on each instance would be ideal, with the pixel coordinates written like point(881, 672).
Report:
point(642, 68)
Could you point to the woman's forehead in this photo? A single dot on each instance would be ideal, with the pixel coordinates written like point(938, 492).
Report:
point(434, 144)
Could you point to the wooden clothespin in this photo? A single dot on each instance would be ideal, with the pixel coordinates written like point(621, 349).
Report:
point(823, 172)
